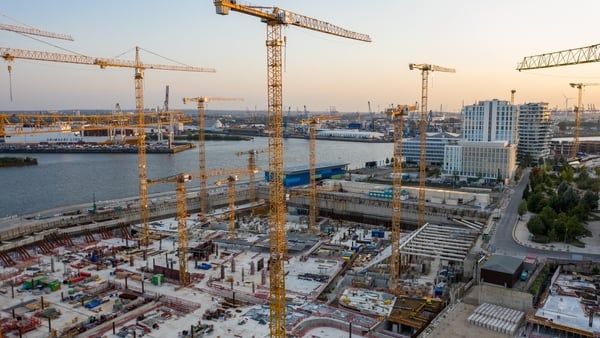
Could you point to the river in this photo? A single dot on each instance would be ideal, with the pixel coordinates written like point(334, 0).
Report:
point(67, 179)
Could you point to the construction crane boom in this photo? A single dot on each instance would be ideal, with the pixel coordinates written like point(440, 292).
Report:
point(313, 122)
point(397, 114)
point(202, 100)
point(567, 57)
point(425, 69)
point(34, 31)
point(275, 19)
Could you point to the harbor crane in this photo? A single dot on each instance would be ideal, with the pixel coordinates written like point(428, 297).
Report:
point(568, 57)
point(425, 69)
point(230, 180)
point(276, 18)
point(9, 54)
point(578, 114)
point(312, 164)
point(252, 168)
point(202, 100)
point(397, 114)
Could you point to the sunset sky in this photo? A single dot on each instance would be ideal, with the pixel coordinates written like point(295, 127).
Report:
point(482, 40)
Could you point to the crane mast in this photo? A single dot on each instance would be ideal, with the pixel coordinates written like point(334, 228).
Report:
point(10, 54)
point(252, 168)
point(397, 114)
point(278, 249)
point(202, 100)
point(425, 69)
point(578, 114)
point(312, 207)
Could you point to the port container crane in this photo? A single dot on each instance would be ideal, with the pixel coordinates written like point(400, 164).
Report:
point(312, 164)
point(276, 18)
point(397, 114)
point(578, 114)
point(561, 58)
point(9, 54)
point(252, 168)
point(425, 70)
point(202, 100)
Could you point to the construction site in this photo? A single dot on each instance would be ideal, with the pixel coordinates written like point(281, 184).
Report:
point(241, 257)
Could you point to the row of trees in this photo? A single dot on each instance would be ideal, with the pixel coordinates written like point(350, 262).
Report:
point(561, 200)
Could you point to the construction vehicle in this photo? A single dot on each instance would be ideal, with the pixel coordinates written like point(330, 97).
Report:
point(10, 54)
point(230, 180)
point(397, 114)
point(252, 168)
point(425, 69)
point(561, 58)
point(202, 100)
point(276, 18)
point(313, 122)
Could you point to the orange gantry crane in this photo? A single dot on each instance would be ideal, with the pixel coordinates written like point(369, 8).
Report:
point(397, 114)
point(276, 18)
point(578, 114)
point(11, 54)
point(425, 69)
point(252, 169)
point(561, 58)
point(230, 180)
point(202, 100)
point(312, 164)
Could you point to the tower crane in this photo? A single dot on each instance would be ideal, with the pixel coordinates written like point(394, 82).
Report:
point(252, 168)
point(182, 229)
point(276, 18)
point(34, 31)
point(397, 114)
point(561, 58)
point(202, 100)
point(425, 69)
point(578, 113)
point(312, 163)
point(230, 180)
point(9, 54)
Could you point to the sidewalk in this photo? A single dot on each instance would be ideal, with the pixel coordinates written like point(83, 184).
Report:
point(592, 244)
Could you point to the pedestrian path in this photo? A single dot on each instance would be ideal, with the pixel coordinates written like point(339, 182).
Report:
point(522, 236)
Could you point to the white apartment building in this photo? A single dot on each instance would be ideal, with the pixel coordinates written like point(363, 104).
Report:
point(535, 129)
point(488, 121)
point(487, 150)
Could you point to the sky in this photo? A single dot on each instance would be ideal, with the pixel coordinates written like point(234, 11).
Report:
point(482, 40)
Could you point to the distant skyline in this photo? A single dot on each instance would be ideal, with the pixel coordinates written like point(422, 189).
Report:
point(482, 40)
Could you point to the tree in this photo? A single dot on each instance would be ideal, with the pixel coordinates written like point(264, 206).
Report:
point(522, 208)
point(536, 202)
point(590, 198)
point(536, 226)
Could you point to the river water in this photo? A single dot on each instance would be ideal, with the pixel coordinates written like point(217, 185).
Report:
point(67, 179)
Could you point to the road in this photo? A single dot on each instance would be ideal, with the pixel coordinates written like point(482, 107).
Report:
point(503, 241)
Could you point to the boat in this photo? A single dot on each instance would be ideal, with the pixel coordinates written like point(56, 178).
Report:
point(64, 133)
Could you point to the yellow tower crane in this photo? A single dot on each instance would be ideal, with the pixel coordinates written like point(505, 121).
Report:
point(230, 180)
point(252, 168)
point(425, 69)
point(276, 18)
point(397, 114)
point(561, 58)
point(578, 114)
point(10, 54)
point(202, 100)
point(182, 229)
point(312, 163)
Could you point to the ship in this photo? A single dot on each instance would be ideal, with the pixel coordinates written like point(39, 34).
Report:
point(65, 133)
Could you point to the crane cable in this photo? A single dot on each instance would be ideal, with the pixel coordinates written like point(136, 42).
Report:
point(10, 81)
